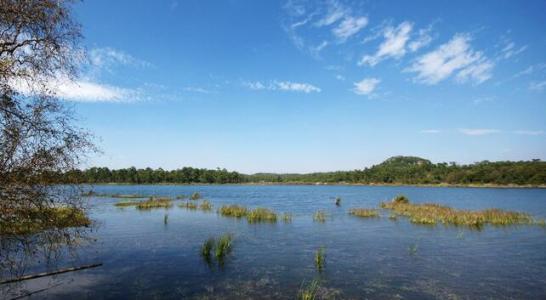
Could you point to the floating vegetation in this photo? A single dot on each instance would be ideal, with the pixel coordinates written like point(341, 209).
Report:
point(310, 291)
point(364, 212)
point(287, 217)
point(261, 215)
point(431, 214)
point(195, 196)
point(155, 203)
point(319, 216)
point(233, 211)
point(205, 205)
point(28, 221)
point(338, 201)
point(320, 258)
point(188, 205)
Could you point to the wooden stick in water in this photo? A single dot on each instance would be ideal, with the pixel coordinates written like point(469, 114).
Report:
point(27, 277)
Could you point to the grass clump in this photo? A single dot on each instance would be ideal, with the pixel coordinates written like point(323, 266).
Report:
point(400, 199)
point(319, 216)
point(127, 203)
point(223, 246)
point(195, 196)
point(260, 214)
point(181, 197)
point(205, 206)
point(320, 258)
point(188, 205)
point(364, 212)
point(287, 217)
point(217, 248)
point(338, 201)
point(310, 291)
point(431, 214)
point(153, 202)
point(207, 248)
point(233, 211)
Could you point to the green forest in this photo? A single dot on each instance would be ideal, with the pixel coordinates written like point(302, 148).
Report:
point(395, 170)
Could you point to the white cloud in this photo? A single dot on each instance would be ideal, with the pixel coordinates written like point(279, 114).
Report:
point(455, 56)
point(107, 57)
point(349, 27)
point(366, 86)
point(537, 85)
point(529, 132)
point(423, 39)
point(196, 89)
point(431, 131)
point(510, 50)
point(478, 131)
point(394, 44)
point(283, 86)
point(335, 13)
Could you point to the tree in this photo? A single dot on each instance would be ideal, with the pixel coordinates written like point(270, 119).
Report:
point(39, 48)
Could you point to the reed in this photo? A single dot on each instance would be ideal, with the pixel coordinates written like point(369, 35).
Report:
point(287, 217)
point(320, 258)
point(364, 212)
point(260, 214)
point(310, 291)
point(223, 246)
point(205, 206)
point(195, 196)
point(338, 201)
point(431, 214)
point(181, 197)
point(153, 202)
point(233, 211)
point(127, 203)
point(207, 247)
point(188, 205)
point(319, 216)
point(165, 219)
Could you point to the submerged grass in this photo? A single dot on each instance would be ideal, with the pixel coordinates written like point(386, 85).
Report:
point(260, 214)
point(319, 216)
point(364, 212)
point(310, 291)
point(234, 210)
point(153, 202)
point(29, 221)
point(431, 214)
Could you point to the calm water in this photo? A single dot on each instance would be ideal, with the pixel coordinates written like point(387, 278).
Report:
point(365, 258)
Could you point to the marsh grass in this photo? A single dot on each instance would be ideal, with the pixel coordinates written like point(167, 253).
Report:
point(166, 219)
point(188, 205)
point(153, 202)
point(364, 212)
point(181, 197)
point(320, 259)
point(122, 196)
point(220, 247)
point(127, 203)
point(319, 216)
point(234, 210)
point(205, 206)
point(310, 291)
point(223, 246)
point(195, 196)
point(431, 214)
point(260, 214)
point(49, 218)
point(287, 217)
point(207, 248)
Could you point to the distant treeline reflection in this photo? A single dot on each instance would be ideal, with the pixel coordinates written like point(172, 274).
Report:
point(395, 170)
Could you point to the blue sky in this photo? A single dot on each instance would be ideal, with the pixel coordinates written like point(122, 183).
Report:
point(301, 86)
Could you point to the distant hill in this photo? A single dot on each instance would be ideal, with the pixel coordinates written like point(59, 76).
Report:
point(395, 170)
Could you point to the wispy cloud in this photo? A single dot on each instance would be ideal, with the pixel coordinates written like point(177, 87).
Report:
point(282, 86)
point(424, 38)
point(349, 27)
point(366, 86)
point(394, 44)
point(335, 12)
point(537, 85)
point(478, 131)
point(108, 57)
point(454, 57)
point(529, 132)
point(431, 131)
point(509, 49)
point(196, 89)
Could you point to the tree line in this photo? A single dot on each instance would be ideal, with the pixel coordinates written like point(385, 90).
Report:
point(395, 170)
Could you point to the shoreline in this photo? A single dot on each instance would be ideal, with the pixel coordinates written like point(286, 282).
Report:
point(491, 186)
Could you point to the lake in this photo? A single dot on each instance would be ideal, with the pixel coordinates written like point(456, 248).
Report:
point(375, 258)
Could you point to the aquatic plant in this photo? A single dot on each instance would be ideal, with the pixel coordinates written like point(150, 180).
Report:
point(310, 291)
point(393, 217)
point(181, 197)
point(223, 246)
point(364, 212)
point(127, 203)
point(233, 211)
point(412, 249)
point(166, 219)
point(153, 202)
point(400, 199)
point(195, 196)
point(287, 217)
point(319, 216)
point(431, 214)
point(320, 258)
point(338, 201)
point(205, 205)
point(188, 205)
point(207, 248)
point(261, 215)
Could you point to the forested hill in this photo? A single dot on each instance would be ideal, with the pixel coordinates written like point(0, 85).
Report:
point(395, 170)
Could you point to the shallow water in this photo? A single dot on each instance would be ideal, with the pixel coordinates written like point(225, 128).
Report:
point(365, 258)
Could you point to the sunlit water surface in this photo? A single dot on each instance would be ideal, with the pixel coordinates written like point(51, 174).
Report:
point(365, 258)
